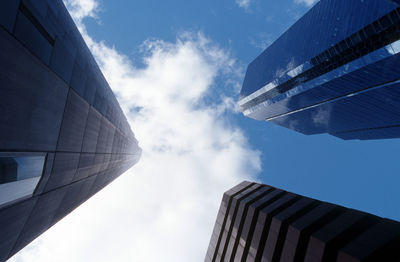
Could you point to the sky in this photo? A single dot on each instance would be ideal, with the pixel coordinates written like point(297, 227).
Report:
point(176, 67)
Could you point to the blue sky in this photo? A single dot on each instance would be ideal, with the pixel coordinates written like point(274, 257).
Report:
point(176, 67)
point(358, 174)
point(243, 31)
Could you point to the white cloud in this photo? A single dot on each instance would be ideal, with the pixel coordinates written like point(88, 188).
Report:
point(243, 3)
point(80, 9)
point(262, 41)
point(164, 208)
point(306, 2)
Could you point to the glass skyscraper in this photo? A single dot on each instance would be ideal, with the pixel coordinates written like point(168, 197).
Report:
point(336, 71)
point(63, 135)
point(261, 223)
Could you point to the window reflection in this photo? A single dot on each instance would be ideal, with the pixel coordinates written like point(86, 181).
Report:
point(8, 170)
point(19, 175)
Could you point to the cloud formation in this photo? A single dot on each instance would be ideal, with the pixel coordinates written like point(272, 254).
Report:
point(164, 208)
point(306, 2)
point(262, 40)
point(80, 9)
point(243, 3)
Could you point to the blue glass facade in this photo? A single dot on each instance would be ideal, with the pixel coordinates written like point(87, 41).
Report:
point(334, 71)
point(63, 134)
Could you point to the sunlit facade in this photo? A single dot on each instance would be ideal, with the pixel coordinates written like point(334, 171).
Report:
point(63, 135)
point(261, 223)
point(336, 71)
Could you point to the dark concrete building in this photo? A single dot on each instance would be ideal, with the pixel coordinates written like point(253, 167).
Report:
point(63, 135)
point(260, 223)
point(336, 71)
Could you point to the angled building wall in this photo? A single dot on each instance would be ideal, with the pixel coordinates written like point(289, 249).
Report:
point(336, 71)
point(261, 223)
point(63, 135)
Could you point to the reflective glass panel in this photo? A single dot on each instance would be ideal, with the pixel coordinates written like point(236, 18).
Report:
point(19, 175)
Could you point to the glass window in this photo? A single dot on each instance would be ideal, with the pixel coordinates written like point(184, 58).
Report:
point(19, 175)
